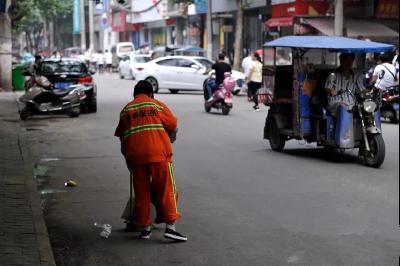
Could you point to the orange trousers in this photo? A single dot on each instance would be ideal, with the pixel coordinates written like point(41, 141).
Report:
point(158, 179)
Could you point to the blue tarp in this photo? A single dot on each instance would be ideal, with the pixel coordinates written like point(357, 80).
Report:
point(190, 50)
point(332, 43)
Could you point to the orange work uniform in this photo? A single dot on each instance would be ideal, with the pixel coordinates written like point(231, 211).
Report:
point(143, 128)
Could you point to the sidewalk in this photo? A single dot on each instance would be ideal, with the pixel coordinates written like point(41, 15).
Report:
point(23, 234)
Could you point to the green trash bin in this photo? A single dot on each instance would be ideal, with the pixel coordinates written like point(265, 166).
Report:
point(18, 79)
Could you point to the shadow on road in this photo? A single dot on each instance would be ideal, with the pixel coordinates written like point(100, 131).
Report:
point(323, 154)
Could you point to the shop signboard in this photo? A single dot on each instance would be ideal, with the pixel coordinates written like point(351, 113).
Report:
point(148, 10)
point(76, 17)
point(101, 7)
point(119, 21)
point(388, 9)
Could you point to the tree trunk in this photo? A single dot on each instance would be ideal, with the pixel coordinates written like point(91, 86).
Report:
point(5, 50)
point(238, 35)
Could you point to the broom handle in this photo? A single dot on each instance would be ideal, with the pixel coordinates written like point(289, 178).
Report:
point(130, 195)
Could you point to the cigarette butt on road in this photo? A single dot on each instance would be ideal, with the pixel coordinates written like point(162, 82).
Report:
point(71, 183)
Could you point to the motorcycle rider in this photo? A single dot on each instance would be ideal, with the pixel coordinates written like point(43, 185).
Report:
point(220, 68)
point(342, 85)
point(384, 75)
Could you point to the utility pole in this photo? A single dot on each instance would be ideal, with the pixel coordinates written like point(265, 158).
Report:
point(91, 25)
point(83, 26)
point(5, 49)
point(209, 30)
point(51, 33)
point(339, 24)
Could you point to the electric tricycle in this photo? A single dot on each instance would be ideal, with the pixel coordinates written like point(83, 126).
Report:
point(296, 70)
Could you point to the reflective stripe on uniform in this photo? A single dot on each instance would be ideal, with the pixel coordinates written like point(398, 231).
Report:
point(172, 175)
point(141, 128)
point(143, 104)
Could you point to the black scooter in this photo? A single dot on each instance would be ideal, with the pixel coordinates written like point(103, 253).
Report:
point(42, 99)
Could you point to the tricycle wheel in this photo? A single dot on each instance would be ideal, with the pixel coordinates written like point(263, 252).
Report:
point(393, 118)
point(376, 155)
point(276, 139)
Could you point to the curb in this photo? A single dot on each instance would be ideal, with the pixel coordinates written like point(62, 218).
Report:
point(43, 242)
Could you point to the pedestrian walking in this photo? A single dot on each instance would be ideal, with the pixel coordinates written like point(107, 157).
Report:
point(246, 63)
point(255, 78)
point(100, 61)
point(108, 60)
point(144, 129)
point(93, 60)
point(87, 57)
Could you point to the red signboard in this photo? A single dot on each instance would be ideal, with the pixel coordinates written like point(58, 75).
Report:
point(309, 8)
point(388, 9)
point(119, 21)
point(290, 8)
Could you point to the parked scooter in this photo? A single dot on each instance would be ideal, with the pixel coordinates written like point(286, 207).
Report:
point(42, 99)
point(390, 104)
point(222, 96)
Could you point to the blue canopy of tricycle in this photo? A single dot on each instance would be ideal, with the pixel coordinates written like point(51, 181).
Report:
point(332, 43)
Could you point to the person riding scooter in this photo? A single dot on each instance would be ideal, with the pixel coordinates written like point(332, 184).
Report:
point(220, 68)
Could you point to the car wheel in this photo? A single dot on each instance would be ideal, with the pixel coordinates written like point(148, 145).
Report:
point(174, 91)
point(131, 74)
point(154, 83)
point(92, 104)
point(120, 74)
point(75, 112)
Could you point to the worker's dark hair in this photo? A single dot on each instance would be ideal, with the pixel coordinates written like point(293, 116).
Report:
point(383, 58)
point(143, 87)
point(342, 56)
point(257, 56)
point(221, 56)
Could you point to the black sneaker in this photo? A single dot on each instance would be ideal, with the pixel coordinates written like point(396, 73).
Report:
point(174, 235)
point(145, 234)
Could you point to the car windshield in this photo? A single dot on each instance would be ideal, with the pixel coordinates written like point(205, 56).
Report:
point(65, 66)
point(140, 59)
point(125, 49)
point(205, 62)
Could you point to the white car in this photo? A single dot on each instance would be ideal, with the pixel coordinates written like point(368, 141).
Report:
point(177, 73)
point(131, 64)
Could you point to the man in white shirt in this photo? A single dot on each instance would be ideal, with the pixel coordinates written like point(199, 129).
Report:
point(108, 61)
point(246, 63)
point(100, 61)
point(384, 75)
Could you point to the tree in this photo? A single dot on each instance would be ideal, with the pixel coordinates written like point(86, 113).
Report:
point(32, 16)
point(238, 34)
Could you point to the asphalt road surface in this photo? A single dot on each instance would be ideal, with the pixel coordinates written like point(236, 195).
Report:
point(242, 203)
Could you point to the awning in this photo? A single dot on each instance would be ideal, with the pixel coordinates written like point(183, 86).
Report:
point(279, 22)
point(332, 43)
point(355, 28)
